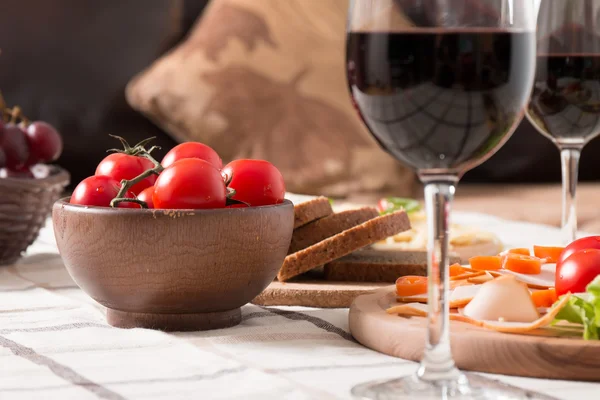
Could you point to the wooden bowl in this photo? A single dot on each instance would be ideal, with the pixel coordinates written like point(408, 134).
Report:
point(173, 269)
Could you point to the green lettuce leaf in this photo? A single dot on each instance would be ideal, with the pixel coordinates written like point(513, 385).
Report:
point(398, 203)
point(584, 311)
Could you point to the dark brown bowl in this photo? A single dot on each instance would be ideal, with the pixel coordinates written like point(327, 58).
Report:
point(173, 269)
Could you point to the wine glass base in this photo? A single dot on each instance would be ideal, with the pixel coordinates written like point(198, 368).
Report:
point(412, 388)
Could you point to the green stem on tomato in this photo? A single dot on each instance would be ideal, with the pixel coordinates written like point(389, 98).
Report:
point(126, 184)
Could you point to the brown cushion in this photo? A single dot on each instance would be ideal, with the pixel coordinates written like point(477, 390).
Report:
point(266, 79)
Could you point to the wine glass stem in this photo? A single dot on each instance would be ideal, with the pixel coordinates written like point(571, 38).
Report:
point(570, 169)
point(437, 363)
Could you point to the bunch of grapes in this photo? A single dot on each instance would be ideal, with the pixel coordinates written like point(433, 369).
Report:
point(24, 144)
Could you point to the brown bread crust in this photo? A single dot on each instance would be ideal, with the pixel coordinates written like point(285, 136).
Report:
point(333, 224)
point(343, 244)
point(311, 210)
point(378, 266)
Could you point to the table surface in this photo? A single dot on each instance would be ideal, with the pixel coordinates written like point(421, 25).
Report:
point(55, 343)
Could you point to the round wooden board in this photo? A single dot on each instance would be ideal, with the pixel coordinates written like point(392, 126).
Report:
point(314, 293)
point(475, 349)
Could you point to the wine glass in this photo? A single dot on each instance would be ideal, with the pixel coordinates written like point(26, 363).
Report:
point(565, 102)
point(441, 85)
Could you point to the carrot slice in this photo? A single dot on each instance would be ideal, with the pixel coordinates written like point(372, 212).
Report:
point(411, 285)
point(457, 269)
point(551, 254)
point(520, 250)
point(467, 275)
point(544, 298)
point(523, 264)
point(486, 263)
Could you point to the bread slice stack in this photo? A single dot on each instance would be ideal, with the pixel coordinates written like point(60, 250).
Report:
point(336, 241)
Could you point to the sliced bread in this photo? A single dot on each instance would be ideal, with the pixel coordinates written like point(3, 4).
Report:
point(311, 210)
point(378, 266)
point(325, 227)
point(343, 244)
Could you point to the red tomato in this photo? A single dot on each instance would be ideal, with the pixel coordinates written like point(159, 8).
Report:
point(99, 190)
point(590, 242)
point(577, 271)
point(190, 184)
point(146, 195)
point(383, 205)
point(192, 150)
point(256, 182)
point(123, 166)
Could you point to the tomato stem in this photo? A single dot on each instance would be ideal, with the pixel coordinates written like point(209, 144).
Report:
point(140, 151)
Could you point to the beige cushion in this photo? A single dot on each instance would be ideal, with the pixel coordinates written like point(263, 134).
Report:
point(266, 79)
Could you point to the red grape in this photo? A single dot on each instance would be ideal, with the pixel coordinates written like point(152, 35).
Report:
point(45, 143)
point(14, 144)
point(21, 173)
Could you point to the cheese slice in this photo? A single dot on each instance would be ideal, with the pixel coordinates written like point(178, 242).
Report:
point(502, 299)
point(544, 280)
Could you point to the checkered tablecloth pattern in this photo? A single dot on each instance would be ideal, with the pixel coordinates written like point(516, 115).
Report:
point(55, 344)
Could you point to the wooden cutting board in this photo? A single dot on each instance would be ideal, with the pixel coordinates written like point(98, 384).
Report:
point(556, 355)
point(314, 293)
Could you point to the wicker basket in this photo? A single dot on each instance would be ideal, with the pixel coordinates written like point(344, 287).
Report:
point(24, 206)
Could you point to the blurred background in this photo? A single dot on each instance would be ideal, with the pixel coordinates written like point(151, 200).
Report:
point(251, 78)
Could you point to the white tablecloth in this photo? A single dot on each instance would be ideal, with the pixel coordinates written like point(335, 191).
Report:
point(55, 344)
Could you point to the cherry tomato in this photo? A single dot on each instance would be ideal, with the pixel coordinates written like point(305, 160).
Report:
point(192, 150)
point(190, 183)
point(256, 182)
point(123, 166)
point(577, 271)
point(146, 195)
point(589, 242)
point(99, 190)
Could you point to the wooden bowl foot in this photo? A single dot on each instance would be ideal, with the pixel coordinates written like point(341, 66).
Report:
point(174, 322)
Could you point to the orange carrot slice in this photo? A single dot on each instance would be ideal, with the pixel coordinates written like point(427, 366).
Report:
point(529, 265)
point(486, 263)
point(411, 285)
point(467, 275)
point(457, 269)
point(551, 254)
point(544, 298)
point(519, 250)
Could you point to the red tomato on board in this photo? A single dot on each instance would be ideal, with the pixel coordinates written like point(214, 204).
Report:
point(123, 166)
point(190, 183)
point(99, 190)
point(577, 271)
point(146, 196)
point(256, 182)
point(589, 242)
point(192, 150)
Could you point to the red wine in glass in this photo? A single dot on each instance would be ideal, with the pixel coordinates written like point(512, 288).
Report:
point(440, 100)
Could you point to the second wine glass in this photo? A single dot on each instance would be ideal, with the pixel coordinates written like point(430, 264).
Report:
point(565, 102)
